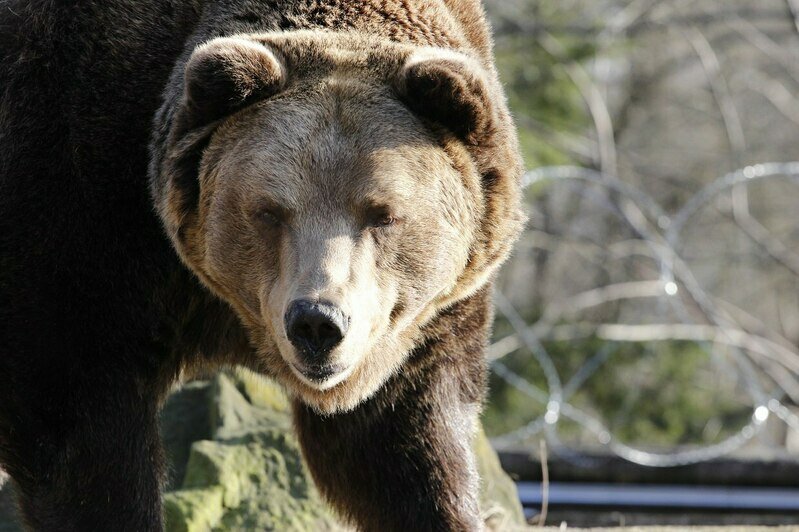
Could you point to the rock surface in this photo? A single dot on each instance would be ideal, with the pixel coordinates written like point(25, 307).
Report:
point(247, 474)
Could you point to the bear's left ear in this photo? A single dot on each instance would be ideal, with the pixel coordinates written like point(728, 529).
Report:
point(450, 89)
point(228, 73)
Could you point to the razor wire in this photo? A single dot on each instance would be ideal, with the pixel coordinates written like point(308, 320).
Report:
point(662, 234)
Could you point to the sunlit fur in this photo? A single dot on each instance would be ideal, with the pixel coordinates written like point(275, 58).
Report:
point(339, 130)
point(325, 155)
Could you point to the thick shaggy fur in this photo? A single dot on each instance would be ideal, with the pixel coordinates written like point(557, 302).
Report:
point(100, 317)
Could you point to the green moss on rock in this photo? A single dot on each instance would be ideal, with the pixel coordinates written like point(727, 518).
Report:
point(250, 475)
point(195, 510)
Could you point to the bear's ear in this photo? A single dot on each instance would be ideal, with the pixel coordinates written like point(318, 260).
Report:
point(226, 74)
point(450, 89)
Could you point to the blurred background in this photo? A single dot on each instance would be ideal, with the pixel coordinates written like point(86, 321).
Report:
point(645, 363)
point(647, 339)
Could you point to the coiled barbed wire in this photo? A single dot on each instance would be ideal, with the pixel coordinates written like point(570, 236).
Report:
point(664, 238)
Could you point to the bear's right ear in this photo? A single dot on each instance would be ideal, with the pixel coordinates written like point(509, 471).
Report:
point(228, 73)
point(451, 89)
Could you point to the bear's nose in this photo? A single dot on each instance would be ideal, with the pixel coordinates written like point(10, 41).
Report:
point(315, 328)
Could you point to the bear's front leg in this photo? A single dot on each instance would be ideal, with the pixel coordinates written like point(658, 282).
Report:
point(403, 459)
point(90, 466)
point(402, 464)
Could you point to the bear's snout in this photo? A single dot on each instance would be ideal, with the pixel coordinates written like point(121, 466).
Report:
point(314, 328)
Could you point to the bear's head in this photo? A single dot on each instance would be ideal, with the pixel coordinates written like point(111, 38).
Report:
point(337, 192)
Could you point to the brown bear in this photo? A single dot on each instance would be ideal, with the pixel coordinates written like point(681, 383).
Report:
point(320, 190)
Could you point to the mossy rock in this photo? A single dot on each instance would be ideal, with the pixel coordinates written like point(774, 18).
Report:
point(196, 510)
point(249, 474)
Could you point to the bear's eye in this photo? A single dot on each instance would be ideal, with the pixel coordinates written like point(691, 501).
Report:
point(269, 217)
point(381, 217)
point(385, 220)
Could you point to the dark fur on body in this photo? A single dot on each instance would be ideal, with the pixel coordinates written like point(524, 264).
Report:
point(99, 317)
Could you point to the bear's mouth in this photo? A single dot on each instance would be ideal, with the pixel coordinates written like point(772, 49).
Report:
point(321, 376)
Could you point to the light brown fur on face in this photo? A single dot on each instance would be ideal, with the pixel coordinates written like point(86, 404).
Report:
point(325, 156)
point(341, 128)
